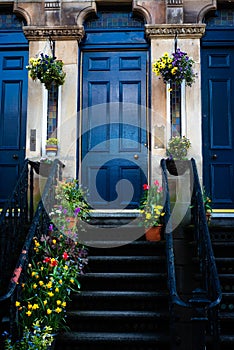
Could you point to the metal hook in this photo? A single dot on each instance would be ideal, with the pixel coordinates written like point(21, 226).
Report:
point(52, 46)
point(175, 40)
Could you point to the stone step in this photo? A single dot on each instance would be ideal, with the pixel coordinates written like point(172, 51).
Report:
point(120, 300)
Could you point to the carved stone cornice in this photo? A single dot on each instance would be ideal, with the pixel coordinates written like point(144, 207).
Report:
point(170, 30)
point(56, 33)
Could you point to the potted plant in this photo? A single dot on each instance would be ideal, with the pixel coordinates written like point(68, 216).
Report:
point(51, 146)
point(177, 150)
point(47, 69)
point(71, 207)
point(207, 204)
point(52, 275)
point(151, 209)
point(175, 68)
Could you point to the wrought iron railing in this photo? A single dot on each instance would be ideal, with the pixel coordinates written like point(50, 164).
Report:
point(14, 220)
point(204, 300)
point(39, 224)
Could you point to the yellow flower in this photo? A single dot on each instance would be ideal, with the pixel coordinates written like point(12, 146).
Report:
point(50, 294)
point(148, 216)
point(41, 283)
point(35, 306)
point(65, 267)
point(49, 285)
point(60, 281)
point(34, 286)
point(58, 302)
point(49, 311)
point(37, 244)
point(42, 268)
point(58, 310)
point(72, 280)
point(165, 54)
point(17, 303)
point(174, 70)
point(54, 241)
point(29, 306)
point(28, 313)
point(45, 302)
point(33, 273)
point(56, 290)
point(64, 304)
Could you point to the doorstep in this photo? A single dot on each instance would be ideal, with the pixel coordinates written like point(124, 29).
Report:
point(113, 217)
point(223, 217)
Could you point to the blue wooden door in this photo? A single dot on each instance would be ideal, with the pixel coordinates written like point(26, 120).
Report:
point(114, 137)
point(218, 123)
point(13, 101)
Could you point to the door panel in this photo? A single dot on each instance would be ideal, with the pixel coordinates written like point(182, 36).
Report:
point(218, 120)
point(114, 152)
point(13, 100)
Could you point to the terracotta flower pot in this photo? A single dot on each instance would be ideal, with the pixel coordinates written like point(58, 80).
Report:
point(154, 233)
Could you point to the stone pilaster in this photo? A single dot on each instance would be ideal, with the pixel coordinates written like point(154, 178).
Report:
point(162, 39)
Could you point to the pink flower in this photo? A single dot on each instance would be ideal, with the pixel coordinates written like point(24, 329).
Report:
point(160, 189)
point(156, 182)
point(146, 187)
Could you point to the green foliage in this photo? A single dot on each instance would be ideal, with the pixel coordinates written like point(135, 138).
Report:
point(178, 147)
point(176, 68)
point(151, 205)
point(36, 339)
point(52, 141)
point(206, 201)
point(47, 69)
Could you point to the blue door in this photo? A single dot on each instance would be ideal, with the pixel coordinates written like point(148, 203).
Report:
point(218, 120)
point(13, 103)
point(114, 137)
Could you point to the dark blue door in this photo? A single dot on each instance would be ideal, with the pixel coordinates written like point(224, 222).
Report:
point(114, 138)
point(218, 123)
point(13, 101)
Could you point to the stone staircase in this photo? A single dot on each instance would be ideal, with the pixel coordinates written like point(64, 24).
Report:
point(124, 300)
point(223, 247)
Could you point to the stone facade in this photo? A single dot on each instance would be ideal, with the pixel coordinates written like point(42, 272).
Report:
point(62, 21)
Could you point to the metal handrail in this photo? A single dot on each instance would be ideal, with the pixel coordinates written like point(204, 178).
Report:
point(171, 275)
point(202, 236)
point(205, 250)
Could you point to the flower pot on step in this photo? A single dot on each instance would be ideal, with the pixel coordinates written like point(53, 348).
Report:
point(154, 233)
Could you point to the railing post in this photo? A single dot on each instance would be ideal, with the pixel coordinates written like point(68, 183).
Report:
point(199, 319)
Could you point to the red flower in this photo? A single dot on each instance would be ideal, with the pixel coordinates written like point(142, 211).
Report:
point(65, 256)
point(46, 260)
point(145, 187)
point(53, 262)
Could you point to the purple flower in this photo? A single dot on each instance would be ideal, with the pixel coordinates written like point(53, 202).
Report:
point(76, 211)
point(51, 227)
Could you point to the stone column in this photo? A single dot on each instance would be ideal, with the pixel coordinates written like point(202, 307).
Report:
point(66, 41)
point(162, 40)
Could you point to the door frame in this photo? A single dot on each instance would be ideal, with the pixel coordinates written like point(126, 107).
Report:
point(213, 38)
point(111, 40)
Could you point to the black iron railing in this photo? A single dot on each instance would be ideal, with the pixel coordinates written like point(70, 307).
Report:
point(14, 221)
point(39, 224)
point(205, 300)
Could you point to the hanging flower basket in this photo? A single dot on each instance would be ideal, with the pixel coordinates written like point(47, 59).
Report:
point(175, 68)
point(47, 69)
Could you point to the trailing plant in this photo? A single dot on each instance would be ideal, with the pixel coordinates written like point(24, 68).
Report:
point(47, 69)
point(178, 147)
